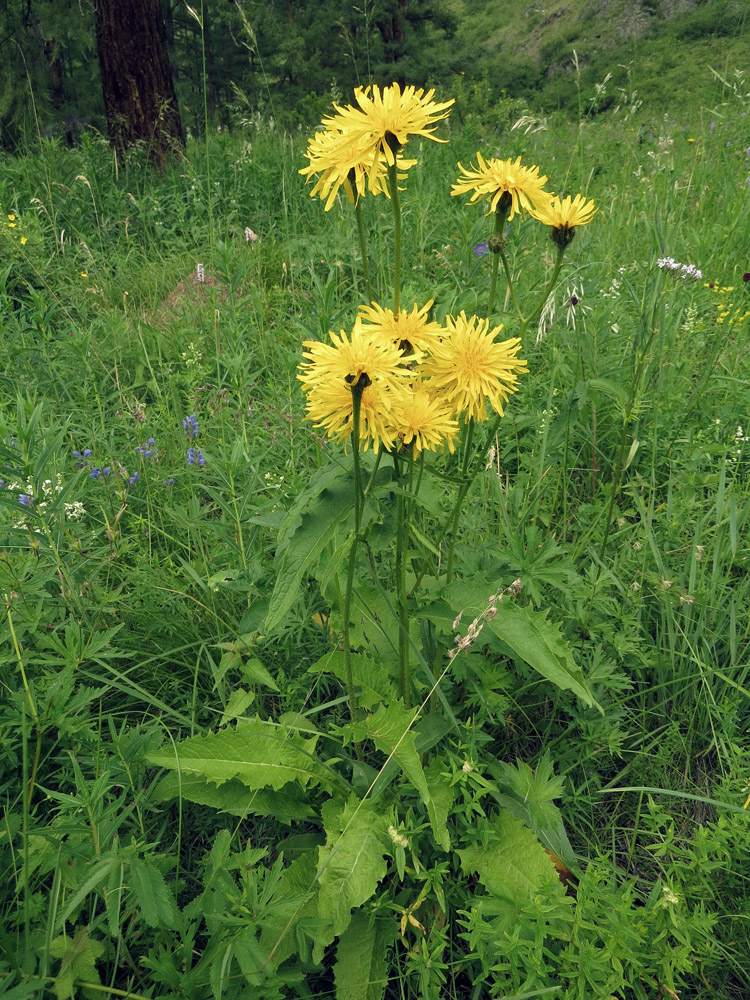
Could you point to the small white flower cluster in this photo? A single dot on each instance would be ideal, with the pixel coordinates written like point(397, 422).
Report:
point(684, 270)
point(192, 356)
point(740, 438)
point(26, 497)
point(250, 236)
point(462, 642)
point(200, 273)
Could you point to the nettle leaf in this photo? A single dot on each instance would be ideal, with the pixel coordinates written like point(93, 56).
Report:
point(511, 863)
point(155, 901)
point(528, 795)
point(287, 806)
point(361, 971)
point(526, 633)
point(78, 957)
point(307, 529)
point(260, 754)
point(353, 860)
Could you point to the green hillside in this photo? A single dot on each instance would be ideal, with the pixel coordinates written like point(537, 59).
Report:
point(664, 49)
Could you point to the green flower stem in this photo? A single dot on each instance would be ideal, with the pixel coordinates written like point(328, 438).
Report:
point(363, 246)
point(462, 491)
point(30, 698)
point(511, 289)
point(402, 541)
point(371, 480)
point(535, 313)
point(357, 390)
point(640, 369)
point(496, 250)
point(395, 204)
point(467, 480)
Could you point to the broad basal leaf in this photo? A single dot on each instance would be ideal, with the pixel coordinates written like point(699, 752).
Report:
point(528, 795)
point(361, 972)
point(511, 863)
point(352, 862)
point(526, 633)
point(259, 754)
point(287, 806)
point(307, 529)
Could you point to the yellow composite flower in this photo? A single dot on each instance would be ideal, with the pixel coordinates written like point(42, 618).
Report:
point(469, 366)
point(388, 117)
point(330, 405)
point(565, 214)
point(493, 178)
point(411, 331)
point(342, 164)
point(423, 421)
point(360, 355)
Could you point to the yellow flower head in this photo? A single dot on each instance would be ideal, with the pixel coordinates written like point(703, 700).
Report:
point(330, 405)
point(564, 215)
point(423, 422)
point(360, 357)
point(469, 366)
point(492, 179)
point(341, 163)
point(410, 331)
point(385, 119)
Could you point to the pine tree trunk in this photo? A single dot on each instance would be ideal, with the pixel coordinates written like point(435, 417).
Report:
point(139, 95)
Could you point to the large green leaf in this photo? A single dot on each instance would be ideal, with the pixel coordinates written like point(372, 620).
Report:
point(286, 806)
point(353, 860)
point(510, 862)
point(306, 530)
point(259, 754)
point(392, 731)
point(528, 795)
point(527, 634)
point(361, 972)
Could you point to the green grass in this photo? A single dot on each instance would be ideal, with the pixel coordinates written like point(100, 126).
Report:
point(126, 621)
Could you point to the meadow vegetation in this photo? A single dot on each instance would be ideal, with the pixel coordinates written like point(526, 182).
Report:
point(207, 791)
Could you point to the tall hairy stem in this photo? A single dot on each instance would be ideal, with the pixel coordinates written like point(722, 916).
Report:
point(357, 390)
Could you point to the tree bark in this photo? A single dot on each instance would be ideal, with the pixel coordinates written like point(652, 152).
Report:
point(137, 85)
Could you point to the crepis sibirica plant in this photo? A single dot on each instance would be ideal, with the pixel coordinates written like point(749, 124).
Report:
point(409, 408)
